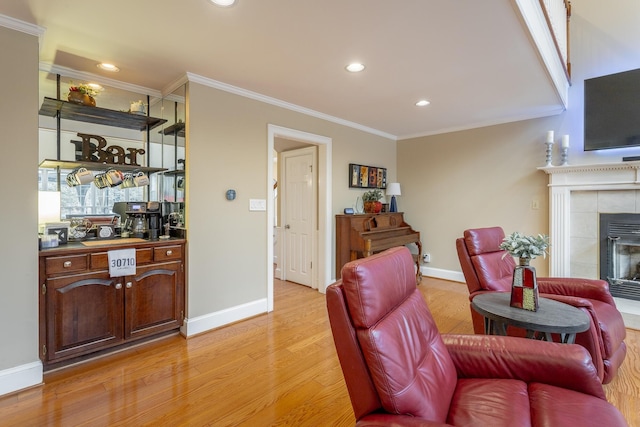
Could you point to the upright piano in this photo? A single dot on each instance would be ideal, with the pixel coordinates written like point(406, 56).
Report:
point(359, 236)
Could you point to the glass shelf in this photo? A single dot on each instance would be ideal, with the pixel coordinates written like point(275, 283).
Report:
point(97, 115)
point(94, 166)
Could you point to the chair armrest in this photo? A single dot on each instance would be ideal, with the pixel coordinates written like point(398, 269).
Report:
point(577, 302)
point(386, 420)
point(571, 286)
point(567, 366)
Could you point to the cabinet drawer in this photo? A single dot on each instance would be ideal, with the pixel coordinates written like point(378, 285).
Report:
point(167, 253)
point(65, 264)
point(100, 260)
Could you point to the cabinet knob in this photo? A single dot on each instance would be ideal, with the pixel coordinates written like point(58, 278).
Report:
point(169, 252)
point(129, 285)
point(67, 264)
point(118, 285)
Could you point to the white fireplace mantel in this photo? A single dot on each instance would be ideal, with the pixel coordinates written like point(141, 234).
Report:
point(565, 179)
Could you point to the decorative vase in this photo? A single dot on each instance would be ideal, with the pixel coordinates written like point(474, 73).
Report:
point(81, 98)
point(359, 205)
point(368, 207)
point(524, 288)
point(372, 207)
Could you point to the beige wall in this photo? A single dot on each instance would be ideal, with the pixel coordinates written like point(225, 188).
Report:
point(227, 148)
point(477, 178)
point(18, 190)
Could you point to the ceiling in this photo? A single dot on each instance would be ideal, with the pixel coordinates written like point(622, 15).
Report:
point(473, 60)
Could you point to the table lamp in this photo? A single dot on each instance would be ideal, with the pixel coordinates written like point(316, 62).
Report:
point(393, 190)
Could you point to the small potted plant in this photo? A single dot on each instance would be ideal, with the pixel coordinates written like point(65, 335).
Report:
point(525, 248)
point(83, 94)
point(524, 287)
point(371, 201)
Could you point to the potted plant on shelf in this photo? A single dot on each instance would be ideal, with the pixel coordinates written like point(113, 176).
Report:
point(371, 201)
point(83, 94)
point(524, 287)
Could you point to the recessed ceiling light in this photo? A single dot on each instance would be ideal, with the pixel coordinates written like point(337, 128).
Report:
point(108, 67)
point(223, 3)
point(355, 67)
point(422, 103)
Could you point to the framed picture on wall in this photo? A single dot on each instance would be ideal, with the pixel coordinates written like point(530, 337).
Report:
point(361, 176)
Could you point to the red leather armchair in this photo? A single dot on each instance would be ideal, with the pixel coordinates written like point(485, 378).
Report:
point(486, 269)
point(400, 371)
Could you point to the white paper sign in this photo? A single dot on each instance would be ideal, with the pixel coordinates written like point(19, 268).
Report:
point(122, 262)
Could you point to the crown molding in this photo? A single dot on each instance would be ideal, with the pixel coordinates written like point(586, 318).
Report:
point(83, 75)
point(506, 120)
point(205, 81)
point(18, 25)
point(167, 91)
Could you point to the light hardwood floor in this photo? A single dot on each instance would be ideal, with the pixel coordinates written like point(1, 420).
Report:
point(275, 369)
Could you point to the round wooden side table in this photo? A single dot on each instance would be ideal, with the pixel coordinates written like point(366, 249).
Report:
point(552, 317)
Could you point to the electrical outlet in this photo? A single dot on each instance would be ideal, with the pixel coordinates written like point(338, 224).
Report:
point(426, 257)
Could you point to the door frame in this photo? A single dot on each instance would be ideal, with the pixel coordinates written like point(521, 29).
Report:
point(323, 250)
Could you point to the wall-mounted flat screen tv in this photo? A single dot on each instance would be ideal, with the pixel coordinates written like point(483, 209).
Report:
point(612, 111)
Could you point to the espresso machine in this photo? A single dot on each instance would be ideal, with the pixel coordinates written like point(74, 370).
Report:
point(139, 219)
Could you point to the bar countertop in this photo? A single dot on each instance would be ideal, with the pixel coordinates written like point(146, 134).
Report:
point(115, 243)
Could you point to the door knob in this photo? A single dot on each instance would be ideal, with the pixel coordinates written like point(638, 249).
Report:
point(287, 226)
point(129, 284)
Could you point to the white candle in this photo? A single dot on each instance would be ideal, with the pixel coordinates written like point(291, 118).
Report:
point(565, 141)
point(550, 136)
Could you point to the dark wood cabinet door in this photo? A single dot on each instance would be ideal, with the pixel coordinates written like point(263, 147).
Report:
point(154, 300)
point(84, 313)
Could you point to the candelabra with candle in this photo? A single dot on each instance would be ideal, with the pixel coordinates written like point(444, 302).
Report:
point(564, 154)
point(549, 145)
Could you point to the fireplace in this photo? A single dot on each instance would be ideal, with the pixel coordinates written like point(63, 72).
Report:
point(578, 194)
point(620, 253)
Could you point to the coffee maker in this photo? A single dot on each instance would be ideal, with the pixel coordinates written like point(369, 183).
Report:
point(139, 219)
point(154, 219)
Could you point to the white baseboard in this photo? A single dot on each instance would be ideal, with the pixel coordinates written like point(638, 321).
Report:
point(454, 276)
point(20, 377)
point(220, 318)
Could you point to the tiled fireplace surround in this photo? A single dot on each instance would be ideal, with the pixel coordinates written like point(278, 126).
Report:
point(577, 195)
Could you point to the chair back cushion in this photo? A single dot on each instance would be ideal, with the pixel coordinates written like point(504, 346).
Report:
point(492, 266)
point(362, 392)
point(408, 362)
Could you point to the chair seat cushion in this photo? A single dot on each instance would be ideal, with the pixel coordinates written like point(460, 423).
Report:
point(507, 403)
point(553, 406)
point(490, 402)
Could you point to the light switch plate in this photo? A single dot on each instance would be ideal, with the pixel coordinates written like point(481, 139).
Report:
point(257, 204)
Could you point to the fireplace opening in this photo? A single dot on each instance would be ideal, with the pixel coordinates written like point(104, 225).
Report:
point(620, 254)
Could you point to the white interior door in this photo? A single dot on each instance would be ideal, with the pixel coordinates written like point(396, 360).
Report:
point(299, 214)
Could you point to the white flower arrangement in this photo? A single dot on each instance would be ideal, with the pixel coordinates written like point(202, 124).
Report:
point(87, 89)
point(527, 247)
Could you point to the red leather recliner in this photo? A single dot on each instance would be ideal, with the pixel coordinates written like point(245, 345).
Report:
point(400, 371)
point(486, 269)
